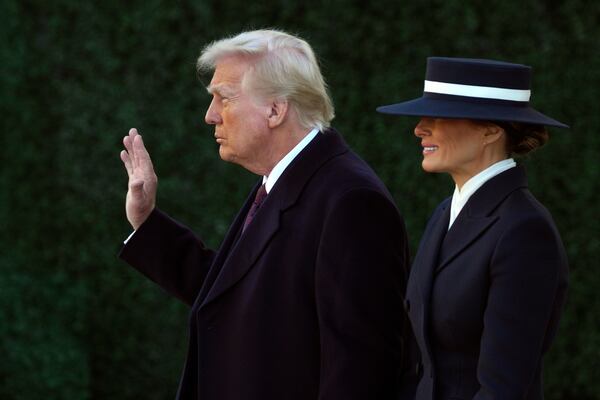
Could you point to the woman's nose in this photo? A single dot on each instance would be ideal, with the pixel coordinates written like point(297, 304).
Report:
point(421, 128)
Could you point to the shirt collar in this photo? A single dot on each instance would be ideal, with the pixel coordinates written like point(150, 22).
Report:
point(276, 172)
point(460, 197)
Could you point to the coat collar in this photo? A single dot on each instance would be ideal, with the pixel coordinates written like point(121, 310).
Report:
point(475, 217)
point(235, 259)
point(489, 196)
point(478, 214)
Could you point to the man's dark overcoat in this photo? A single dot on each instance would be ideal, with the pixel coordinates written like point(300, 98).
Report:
point(306, 303)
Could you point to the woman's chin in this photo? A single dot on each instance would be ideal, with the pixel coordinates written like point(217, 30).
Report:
point(429, 167)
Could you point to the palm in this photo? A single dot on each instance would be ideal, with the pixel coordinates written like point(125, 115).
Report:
point(141, 193)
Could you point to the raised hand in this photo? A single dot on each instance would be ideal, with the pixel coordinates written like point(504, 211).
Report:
point(141, 193)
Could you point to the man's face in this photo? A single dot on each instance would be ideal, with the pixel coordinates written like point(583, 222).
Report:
point(240, 119)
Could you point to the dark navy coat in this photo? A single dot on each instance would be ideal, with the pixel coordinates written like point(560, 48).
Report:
point(305, 303)
point(485, 297)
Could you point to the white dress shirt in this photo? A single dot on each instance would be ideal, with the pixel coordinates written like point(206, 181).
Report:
point(278, 169)
point(461, 196)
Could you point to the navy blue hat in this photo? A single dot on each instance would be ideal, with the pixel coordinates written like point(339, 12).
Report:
point(474, 89)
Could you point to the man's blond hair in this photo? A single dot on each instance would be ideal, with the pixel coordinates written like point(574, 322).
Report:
point(285, 67)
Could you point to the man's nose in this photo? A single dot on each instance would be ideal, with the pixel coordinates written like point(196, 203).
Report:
point(212, 117)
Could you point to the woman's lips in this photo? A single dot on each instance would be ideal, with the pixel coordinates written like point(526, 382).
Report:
point(429, 148)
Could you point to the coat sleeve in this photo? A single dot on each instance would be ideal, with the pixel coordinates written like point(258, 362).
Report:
point(170, 255)
point(360, 278)
point(528, 274)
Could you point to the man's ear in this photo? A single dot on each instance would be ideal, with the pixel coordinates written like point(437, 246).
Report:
point(278, 112)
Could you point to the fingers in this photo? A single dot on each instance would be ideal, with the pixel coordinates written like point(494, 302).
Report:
point(141, 196)
point(137, 160)
point(142, 158)
point(133, 150)
point(127, 161)
point(128, 142)
point(133, 133)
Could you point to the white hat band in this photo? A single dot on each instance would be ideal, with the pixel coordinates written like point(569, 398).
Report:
point(485, 92)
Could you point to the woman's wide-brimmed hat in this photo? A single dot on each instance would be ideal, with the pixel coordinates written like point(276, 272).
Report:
point(474, 89)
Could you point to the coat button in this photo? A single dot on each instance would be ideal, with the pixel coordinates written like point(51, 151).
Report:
point(407, 305)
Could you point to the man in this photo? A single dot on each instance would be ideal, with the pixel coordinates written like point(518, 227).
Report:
point(303, 300)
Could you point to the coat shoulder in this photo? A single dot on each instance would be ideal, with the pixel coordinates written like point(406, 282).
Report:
point(527, 228)
point(347, 172)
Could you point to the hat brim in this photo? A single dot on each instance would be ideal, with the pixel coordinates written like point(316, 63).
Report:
point(440, 108)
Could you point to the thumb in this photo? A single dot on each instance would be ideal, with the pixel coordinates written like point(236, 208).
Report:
point(136, 187)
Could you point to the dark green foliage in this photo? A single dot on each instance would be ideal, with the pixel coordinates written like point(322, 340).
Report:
point(76, 323)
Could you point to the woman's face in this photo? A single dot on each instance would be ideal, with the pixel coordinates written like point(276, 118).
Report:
point(459, 147)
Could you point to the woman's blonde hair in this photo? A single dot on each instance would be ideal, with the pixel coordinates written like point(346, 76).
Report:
point(285, 67)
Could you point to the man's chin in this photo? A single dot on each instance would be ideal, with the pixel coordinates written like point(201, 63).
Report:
point(226, 156)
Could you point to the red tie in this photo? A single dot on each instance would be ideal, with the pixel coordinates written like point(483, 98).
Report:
point(261, 194)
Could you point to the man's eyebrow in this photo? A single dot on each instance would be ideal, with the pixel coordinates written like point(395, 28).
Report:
point(220, 89)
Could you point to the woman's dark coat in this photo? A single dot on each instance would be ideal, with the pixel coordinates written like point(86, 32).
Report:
point(485, 297)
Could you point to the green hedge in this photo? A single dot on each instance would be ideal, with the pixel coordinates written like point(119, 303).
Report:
point(76, 323)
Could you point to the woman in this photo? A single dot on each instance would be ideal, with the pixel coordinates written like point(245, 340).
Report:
point(488, 282)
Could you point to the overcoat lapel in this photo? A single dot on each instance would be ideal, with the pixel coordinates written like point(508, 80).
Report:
point(477, 215)
point(229, 242)
point(464, 231)
point(244, 253)
point(429, 249)
point(423, 269)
